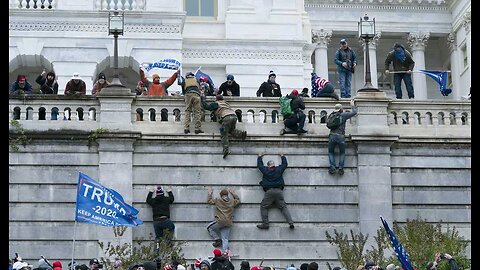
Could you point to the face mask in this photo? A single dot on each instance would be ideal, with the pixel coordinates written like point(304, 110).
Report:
point(101, 81)
point(225, 198)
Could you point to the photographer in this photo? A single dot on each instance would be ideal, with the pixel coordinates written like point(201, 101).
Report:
point(95, 264)
point(444, 256)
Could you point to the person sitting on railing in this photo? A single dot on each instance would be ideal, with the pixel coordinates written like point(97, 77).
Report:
point(47, 82)
point(76, 86)
point(21, 86)
point(270, 88)
point(295, 122)
point(157, 88)
point(100, 84)
point(321, 87)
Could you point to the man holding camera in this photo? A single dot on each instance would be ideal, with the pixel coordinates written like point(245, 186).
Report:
point(444, 256)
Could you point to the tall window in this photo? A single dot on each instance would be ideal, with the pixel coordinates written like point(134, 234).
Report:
point(465, 55)
point(201, 8)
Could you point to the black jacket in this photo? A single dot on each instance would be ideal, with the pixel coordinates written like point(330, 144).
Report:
point(160, 204)
point(297, 103)
point(234, 88)
point(268, 89)
point(221, 263)
point(272, 178)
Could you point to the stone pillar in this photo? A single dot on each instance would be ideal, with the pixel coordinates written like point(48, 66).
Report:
point(454, 60)
point(373, 143)
point(467, 26)
point(307, 64)
point(115, 166)
point(418, 42)
point(321, 38)
point(372, 50)
point(116, 108)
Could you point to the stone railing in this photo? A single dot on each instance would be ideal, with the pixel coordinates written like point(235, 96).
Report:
point(33, 4)
point(125, 5)
point(262, 114)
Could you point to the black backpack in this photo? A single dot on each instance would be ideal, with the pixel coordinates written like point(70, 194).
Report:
point(225, 265)
point(334, 120)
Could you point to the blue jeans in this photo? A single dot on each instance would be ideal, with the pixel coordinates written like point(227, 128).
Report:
point(407, 79)
point(345, 78)
point(334, 140)
point(214, 228)
point(159, 226)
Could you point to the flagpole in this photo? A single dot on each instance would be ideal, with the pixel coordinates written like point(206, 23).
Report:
point(393, 72)
point(73, 244)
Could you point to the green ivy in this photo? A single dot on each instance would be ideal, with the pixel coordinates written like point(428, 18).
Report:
point(94, 135)
point(21, 138)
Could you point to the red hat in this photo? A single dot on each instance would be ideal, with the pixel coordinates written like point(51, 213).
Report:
point(295, 92)
point(21, 78)
point(217, 252)
point(197, 262)
point(167, 267)
point(256, 268)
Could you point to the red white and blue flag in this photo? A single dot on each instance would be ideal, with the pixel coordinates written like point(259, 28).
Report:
point(201, 76)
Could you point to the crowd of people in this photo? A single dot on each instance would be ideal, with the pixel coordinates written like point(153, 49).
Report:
point(219, 261)
point(345, 60)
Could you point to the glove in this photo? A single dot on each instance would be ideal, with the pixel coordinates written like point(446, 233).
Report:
point(168, 189)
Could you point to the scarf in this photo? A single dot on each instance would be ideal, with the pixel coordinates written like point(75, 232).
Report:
point(400, 54)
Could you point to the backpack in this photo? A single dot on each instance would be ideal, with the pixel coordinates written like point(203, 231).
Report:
point(334, 120)
point(285, 107)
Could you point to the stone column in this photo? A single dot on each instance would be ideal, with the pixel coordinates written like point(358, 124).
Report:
point(372, 50)
point(373, 143)
point(454, 60)
point(115, 151)
point(307, 64)
point(418, 42)
point(321, 38)
point(467, 26)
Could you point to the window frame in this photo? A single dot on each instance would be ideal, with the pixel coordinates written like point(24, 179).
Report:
point(215, 10)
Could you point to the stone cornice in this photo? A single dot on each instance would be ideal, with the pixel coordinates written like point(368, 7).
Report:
point(467, 19)
point(90, 27)
point(418, 40)
point(380, 7)
point(452, 41)
point(241, 54)
point(321, 37)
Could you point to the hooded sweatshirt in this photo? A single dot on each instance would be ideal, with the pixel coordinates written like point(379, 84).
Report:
point(224, 209)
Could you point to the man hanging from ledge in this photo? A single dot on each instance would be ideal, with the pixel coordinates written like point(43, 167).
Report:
point(227, 118)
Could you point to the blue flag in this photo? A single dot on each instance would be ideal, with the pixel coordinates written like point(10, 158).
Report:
point(401, 253)
point(103, 206)
point(204, 76)
point(441, 78)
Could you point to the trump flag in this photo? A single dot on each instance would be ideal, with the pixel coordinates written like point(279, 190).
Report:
point(103, 206)
point(401, 253)
point(199, 75)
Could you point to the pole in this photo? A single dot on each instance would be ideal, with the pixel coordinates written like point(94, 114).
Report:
point(368, 77)
point(115, 81)
point(73, 244)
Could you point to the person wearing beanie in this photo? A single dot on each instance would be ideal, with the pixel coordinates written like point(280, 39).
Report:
point(337, 136)
point(312, 266)
point(270, 88)
point(155, 87)
point(100, 84)
point(161, 210)
point(219, 229)
point(304, 93)
point(227, 118)
point(230, 87)
point(273, 184)
point(403, 64)
point(205, 265)
point(346, 60)
point(76, 86)
point(295, 122)
point(245, 265)
point(220, 262)
point(48, 83)
point(304, 266)
point(21, 87)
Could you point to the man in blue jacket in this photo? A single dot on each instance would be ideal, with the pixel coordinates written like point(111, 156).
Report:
point(273, 184)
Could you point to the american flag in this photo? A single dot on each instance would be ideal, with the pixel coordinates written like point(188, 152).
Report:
point(401, 253)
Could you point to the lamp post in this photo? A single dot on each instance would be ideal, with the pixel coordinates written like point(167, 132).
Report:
point(115, 28)
point(366, 31)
